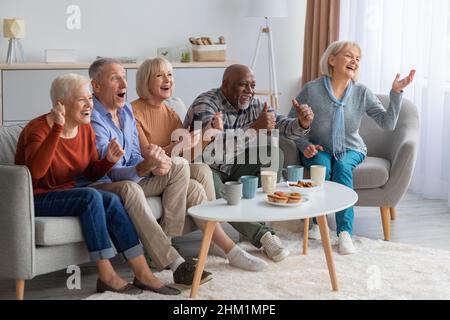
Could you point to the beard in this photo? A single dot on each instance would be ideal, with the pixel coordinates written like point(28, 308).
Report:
point(246, 104)
point(243, 106)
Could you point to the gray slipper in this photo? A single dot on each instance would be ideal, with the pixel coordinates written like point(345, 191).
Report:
point(166, 290)
point(127, 289)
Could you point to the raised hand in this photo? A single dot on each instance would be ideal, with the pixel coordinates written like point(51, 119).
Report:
point(114, 152)
point(305, 114)
point(312, 150)
point(58, 114)
point(398, 85)
point(266, 120)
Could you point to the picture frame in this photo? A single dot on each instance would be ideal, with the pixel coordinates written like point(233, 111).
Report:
point(165, 53)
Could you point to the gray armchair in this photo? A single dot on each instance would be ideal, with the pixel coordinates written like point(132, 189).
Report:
point(383, 177)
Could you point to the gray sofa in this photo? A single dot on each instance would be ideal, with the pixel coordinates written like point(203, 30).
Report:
point(383, 177)
point(29, 245)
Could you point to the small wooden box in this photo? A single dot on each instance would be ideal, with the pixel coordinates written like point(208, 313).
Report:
point(215, 52)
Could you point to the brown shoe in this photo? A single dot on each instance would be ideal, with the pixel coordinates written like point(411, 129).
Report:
point(127, 289)
point(166, 290)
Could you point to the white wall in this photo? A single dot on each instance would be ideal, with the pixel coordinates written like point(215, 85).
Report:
point(139, 27)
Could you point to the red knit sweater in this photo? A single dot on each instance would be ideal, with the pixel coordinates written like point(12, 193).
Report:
point(55, 162)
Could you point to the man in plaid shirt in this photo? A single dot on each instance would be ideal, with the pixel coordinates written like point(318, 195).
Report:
point(231, 108)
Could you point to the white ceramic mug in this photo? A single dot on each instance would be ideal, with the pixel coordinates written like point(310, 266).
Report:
point(268, 181)
point(318, 174)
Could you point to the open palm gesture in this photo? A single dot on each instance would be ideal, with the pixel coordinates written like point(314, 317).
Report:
point(398, 85)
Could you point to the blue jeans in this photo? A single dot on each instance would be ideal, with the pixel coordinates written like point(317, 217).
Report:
point(341, 172)
point(102, 218)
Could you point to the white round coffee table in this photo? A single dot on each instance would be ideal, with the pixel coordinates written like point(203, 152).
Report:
point(333, 197)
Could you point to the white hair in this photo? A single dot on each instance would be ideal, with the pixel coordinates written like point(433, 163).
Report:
point(63, 86)
point(332, 50)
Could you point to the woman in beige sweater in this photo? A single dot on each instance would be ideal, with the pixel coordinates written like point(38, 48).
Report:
point(156, 122)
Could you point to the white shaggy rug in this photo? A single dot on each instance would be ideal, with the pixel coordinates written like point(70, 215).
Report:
point(380, 270)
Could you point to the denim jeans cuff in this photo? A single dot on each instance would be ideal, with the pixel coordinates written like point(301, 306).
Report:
point(133, 252)
point(107, 253)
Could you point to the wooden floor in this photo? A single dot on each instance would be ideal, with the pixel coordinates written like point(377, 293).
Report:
point(420, 222)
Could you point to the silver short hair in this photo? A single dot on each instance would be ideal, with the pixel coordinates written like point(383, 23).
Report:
point(95, 69)
point(63, 86)
point(333, 49)
point(147, 69)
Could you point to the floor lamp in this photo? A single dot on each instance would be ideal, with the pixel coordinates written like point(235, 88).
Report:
point(268, 9)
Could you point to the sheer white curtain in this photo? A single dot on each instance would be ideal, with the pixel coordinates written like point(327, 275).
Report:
point(399, 35)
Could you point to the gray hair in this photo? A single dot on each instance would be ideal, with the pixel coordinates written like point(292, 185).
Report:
point(63, 86)
point(95, 69)
point(147, 69)
point(332, 50)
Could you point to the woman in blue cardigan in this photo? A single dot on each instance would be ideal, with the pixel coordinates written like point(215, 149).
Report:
point(338, 103)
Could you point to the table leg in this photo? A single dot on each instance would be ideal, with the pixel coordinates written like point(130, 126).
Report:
point(204, 248)
point(305, 235)
point(325, 236)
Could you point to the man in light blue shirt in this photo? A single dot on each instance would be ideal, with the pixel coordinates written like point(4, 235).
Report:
point(139, 175)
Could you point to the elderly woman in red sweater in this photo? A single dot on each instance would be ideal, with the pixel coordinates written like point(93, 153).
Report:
point(59, 148)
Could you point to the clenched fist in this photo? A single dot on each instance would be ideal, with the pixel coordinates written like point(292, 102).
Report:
point(114, 152)
point(305, 114)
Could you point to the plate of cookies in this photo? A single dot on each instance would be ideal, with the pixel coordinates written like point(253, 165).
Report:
point(286, 199)
point(304, 187)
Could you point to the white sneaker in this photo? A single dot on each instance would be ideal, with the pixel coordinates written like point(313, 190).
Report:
point(240, 258)
point(314, 233)
point(273, 247)
point(345, 243)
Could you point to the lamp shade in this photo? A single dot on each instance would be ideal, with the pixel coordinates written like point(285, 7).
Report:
point(267, 8)
point(14, 28)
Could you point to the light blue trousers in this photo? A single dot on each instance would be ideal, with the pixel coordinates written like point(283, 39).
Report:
point(341, 172)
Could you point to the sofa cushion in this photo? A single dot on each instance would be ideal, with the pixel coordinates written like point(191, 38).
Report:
point(371, 173)
point(156, 206)
point(178, 106)
point(8, 142)
point(52, 231)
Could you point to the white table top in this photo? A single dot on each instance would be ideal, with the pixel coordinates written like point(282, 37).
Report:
point(333, 197)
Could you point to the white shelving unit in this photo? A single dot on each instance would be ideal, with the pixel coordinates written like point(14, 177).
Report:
point(24, 88)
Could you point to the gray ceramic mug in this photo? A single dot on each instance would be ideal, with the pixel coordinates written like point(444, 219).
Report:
point(233, 192)
point(293, 173)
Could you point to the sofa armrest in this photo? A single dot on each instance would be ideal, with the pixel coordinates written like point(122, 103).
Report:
point(291, 153)
point(17, 240)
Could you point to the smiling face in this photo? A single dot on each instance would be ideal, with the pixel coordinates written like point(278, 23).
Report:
point(111, 86)
point(160, 84)
point(79, 105)
point(346, 62)
point(238, 87)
